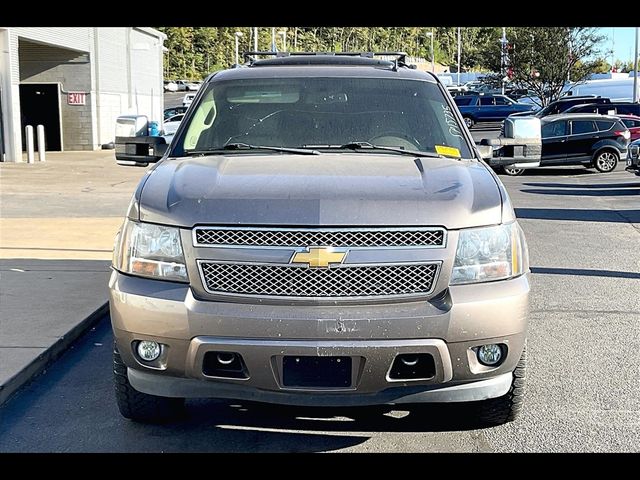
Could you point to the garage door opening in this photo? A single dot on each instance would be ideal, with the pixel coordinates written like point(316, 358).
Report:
point(40, 105)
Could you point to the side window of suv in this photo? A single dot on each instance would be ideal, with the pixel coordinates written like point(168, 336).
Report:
point(579, 127)
point(502, 101)
point(604, 125)
point(631, 123)
point(554, 129)
point(484, 101)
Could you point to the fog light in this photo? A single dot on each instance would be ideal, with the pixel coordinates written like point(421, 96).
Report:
point(490, 354)
point(148, 350)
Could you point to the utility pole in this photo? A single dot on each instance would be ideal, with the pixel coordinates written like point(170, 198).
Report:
point(569, 66)
point(274, 47)
point(636, 92)
point(459, 48)
point(503, 56)
point(433, 66)
point(255, 39)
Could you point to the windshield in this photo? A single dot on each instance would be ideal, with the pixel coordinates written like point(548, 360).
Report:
point(324, 113)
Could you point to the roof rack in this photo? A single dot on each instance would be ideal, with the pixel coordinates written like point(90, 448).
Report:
point(400, 59)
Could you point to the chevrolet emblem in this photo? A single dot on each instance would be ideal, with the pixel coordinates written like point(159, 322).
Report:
point(319, 257)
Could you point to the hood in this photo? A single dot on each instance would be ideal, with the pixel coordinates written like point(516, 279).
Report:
point(320, 190)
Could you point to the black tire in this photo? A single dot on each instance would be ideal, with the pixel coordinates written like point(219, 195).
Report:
point(469, 122)
point(512, 172)
point(138, 406)
point(606, 160)
point(497, 411)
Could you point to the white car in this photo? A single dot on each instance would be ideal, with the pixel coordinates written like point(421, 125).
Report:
point(187, 99)
point(171, 124)
point(170, 86)
point(185, 85)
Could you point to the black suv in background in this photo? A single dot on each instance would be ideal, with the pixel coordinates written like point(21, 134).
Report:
point(595, 141)
point(563, 104)
point(613, 108)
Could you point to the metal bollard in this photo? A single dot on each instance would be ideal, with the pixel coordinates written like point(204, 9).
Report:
point(29, 137)
point(41, 145)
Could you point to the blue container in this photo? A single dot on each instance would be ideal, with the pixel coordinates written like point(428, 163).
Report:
point(154, 129)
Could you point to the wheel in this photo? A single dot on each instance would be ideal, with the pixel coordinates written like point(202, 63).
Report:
point(138, 406)
point(512, 171)
point(497, 411)
point(468, 121)
point(606, 160)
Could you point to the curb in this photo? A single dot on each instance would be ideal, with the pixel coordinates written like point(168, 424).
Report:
point(42, 361)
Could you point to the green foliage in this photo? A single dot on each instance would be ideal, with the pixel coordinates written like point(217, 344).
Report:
point(542, 59)
point(194, 52)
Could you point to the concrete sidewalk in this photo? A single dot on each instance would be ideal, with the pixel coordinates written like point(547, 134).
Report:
point(57, 224)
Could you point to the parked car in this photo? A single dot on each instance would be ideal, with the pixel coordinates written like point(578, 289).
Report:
point(323, 231)
point(488, 108)
point(170, 86)
point(185, 85)
point(596, 141)
point(633, 160)
point(563, 104)
point(171, 124)
point(456, 90)
point(188, 98)
point(611, 108)
point(172, 111)
point(633, 124)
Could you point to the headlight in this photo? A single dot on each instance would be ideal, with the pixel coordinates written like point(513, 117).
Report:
point(147, 250)
point(490, 253)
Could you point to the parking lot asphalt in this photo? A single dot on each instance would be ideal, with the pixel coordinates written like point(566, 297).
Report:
point(583, 230)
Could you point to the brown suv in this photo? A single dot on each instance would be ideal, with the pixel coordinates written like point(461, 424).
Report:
point(321, 231)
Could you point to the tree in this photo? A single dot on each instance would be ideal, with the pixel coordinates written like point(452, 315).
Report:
point(542, 59)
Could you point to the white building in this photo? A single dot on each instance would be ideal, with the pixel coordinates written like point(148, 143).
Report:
point(75, 82)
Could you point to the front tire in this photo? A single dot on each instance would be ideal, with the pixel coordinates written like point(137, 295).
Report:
point(497, 411)
point(511, 171)
point(138, 406)
point(606, 161)
point(468, 121)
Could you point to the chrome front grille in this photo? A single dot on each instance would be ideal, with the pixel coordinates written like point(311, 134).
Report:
point(335, 282)
point(334, 237)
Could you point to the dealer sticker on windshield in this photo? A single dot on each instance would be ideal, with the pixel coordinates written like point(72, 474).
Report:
point(447, 151)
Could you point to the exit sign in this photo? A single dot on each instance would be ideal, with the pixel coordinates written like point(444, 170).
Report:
point(77, 98)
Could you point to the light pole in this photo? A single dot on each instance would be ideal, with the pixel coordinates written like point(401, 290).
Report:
point(238, 35)
point(459, 48)
point(636, 93)
point(284, 39)
point(503, 56)
point(274, 48)
point(433, 67)
point(255, 39)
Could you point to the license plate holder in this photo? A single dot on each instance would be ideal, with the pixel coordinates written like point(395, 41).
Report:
point(300, 371)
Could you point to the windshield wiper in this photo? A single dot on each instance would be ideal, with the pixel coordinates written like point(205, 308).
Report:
point(371, 146)
point(247, 146)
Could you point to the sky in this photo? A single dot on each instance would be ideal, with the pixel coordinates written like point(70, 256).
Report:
point(621, 39)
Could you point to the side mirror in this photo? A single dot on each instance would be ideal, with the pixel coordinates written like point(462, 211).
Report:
point(520, 146)
point(634, 152)
point(134, 146)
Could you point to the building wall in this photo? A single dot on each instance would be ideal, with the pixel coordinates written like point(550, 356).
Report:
point(128, 77)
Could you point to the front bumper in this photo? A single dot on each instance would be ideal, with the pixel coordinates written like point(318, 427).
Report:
point(447, 328)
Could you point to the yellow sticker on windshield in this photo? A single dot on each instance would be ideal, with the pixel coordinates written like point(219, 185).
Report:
point(448, 151)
